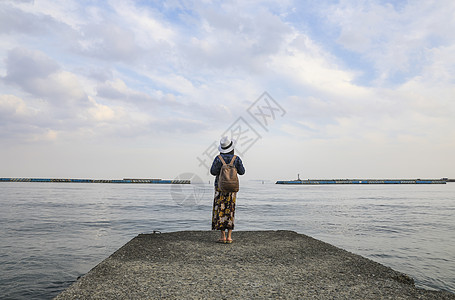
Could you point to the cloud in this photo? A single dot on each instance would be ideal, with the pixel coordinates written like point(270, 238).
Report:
point(147, 24)
point(109, 42)
point(395, 39)
point(117, 89)
point(19, 121)
point(14, 20)
point(57, 103)
point(102, 113)
point(24, 64)
point(27, 19)
point(12, 108)
point(64, 15)
point(304, 62)
point(39, 75)
point(229, 39)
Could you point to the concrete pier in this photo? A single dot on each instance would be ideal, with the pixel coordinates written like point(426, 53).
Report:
point(258, 265)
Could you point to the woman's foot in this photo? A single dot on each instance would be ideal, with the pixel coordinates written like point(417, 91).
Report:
point(222, 237)
point(229, 236)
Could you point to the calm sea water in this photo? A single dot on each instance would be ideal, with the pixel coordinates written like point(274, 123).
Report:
point(51, 233)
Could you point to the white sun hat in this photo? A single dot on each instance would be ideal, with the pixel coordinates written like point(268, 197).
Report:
point(226, 145)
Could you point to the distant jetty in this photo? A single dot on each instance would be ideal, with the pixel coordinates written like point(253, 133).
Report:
point(125, 180)
point(364, 181)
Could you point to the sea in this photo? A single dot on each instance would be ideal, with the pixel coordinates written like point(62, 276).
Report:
point(52, 233)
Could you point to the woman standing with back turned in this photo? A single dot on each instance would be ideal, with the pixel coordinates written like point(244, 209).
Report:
point(224, 202)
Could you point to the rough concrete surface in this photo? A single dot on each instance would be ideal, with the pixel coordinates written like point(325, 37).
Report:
point(258, 265)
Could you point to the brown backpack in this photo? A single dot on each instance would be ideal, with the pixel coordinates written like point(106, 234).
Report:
point(228, 181)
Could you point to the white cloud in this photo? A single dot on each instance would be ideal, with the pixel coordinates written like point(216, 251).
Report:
point(173, 82)
point(39, 75)
point(108, 41)
point(23, 64)
point(394, 39)
point(102, 113)
point(47, 136)
point(11, 105)
point(19, 121)
point(305, 63)
point(115, 89)
point(66, 12)
point(144, 22)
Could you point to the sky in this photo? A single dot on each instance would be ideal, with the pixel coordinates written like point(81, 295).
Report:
point(146, 89)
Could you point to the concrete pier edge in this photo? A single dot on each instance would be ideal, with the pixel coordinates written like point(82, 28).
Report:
point(258, 265)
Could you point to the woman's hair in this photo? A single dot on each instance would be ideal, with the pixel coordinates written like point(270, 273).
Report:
point(231, 152)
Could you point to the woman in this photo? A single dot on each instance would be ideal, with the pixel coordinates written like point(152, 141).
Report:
point(224, 203)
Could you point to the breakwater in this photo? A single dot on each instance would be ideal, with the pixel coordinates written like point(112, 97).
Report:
point(364, 181)
point(125, 180)
point(260, 264)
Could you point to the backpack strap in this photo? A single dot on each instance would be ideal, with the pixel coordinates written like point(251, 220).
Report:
point(232, 160)
point(222, 160)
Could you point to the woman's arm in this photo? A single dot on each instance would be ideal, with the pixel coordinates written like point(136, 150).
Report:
point(216, 167)
point(239, 166)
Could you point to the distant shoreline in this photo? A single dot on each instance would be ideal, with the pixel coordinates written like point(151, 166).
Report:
point(173, 181)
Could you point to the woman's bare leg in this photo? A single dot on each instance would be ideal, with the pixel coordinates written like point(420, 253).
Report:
point(223, 235)
point(229, 237)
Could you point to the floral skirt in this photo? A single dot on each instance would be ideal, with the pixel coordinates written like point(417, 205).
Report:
point(223, 210)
